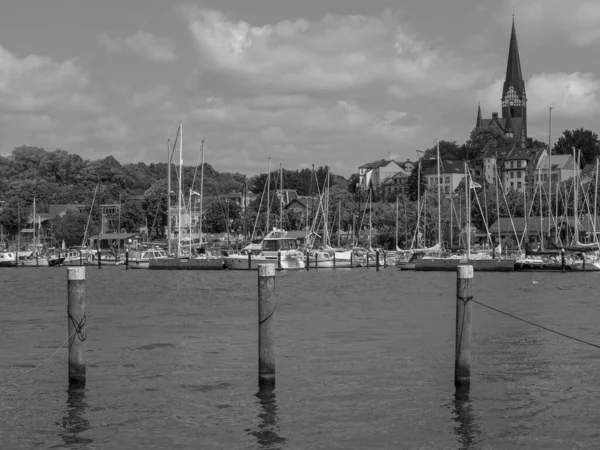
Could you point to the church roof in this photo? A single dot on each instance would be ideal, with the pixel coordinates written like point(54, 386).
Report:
point(514, 75)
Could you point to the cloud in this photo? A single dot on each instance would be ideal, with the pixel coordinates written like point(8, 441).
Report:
point(141, 43)
point(334, 53)
point(575, 95)
point(577, 19)
point(150, 96)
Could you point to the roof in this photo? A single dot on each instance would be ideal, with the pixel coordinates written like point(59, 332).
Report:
point(519, 153)
point(376, 164)
point(497, 152)
point(560, 162)
point(514, 75)
point(447, 167)
point(400, 174)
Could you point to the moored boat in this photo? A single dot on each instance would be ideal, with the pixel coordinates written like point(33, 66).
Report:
point(275, 248)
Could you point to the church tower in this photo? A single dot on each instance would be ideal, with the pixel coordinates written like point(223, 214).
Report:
point(514, 98)
point(513, 121)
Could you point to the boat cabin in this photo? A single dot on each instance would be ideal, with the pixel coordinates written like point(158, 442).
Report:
point(273, 245)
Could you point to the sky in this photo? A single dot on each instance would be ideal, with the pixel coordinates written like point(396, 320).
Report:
point(323, 82)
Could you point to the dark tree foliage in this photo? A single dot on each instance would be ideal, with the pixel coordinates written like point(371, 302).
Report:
point(583, 140)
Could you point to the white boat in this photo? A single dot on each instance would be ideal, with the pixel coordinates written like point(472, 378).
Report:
point(275, 248)
point(141, 260)
point(7, 259)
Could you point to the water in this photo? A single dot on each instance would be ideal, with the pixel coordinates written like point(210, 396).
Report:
point(365, 360)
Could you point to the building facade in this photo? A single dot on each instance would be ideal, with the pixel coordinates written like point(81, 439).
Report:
point(452, 172)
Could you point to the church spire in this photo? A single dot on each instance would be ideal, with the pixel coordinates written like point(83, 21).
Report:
point(479, 122)
point(514, 75)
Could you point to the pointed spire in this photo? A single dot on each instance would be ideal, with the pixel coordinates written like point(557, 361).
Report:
point(479, 122)
point(514, 75)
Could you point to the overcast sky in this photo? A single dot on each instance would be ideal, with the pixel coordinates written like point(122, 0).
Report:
point(338, 82)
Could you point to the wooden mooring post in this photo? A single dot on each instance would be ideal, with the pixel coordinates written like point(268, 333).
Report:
point(307, 261)
point(464, 297)
point(266, 321)
point(249, 260)
point(278, 259)
point(99, 259)
point(377, 260)
point(316, 260)
point(333, 260)
point(77, 325)
point(127, 259)
point(562, 259)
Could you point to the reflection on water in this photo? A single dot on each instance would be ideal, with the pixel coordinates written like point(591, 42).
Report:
point(466, 428)
point(74, 421)
point(266, 434)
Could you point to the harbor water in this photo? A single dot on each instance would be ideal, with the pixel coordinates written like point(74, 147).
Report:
point(364, 360)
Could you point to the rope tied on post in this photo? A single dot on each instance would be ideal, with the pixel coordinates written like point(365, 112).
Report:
point(260, 322)
point(79, 331)
point(465, 300)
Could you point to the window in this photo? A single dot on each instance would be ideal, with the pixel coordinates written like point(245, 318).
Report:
point(447, 180)
point(518, 185)
point(512, 174)
point(519, 173)
point(447, 190)
point(512, 185)
point(441, 180)
point(512, 164)
point(519, 163)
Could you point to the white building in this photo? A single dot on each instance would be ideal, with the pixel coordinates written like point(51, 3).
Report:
point(452, 172)
point(375, 173)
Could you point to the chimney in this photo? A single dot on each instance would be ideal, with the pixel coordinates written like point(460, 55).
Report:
point(495, 115)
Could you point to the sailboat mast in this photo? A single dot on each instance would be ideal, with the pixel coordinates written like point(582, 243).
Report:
point(370, 218)
point(439, 195)
point(549, 168)
point(340, 221)
point(468, 209)
point(201, 191)
point(180, 187)
point(575, 196)
point(596, 202)
point(451, 218)
point(268, 196)
point(169, 196)
point(397, 199)
point(281, 193)
point(541, 211)
point(498, 206)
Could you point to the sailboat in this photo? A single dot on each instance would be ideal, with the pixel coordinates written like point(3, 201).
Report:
point(34, 259)
point(182, 261)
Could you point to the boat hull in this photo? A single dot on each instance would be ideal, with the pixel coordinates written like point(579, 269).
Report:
point(241, 263)
point(450, 265)
point(186, 264)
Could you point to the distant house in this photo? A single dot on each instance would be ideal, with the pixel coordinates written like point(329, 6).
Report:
point(397, 184)
point(518, 168)
point(451, 174)
point(111, 241)
point(563, 168)
point(373, 174)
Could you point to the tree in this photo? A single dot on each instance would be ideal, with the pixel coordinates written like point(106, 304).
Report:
point(218, 212)
point(448, 150)
point(154, 203)
point(72, 227)
point(485, 137)
point(584, 140)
